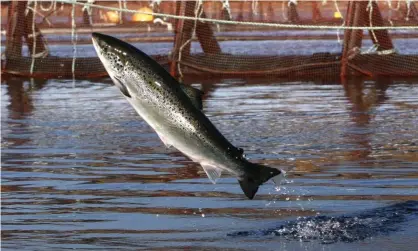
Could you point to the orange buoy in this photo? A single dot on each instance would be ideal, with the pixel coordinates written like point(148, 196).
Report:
point(338, 15)
point(143, 16)
point(112, 16)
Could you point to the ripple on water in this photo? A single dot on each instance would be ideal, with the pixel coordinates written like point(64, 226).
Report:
point(81, 170)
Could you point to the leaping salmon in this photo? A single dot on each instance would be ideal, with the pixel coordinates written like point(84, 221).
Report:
point(173, 110)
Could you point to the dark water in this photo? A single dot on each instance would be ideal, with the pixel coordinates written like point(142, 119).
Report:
point(267, 48)
point(80, 170)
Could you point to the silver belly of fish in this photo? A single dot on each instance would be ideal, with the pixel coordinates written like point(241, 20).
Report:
point(213, 161)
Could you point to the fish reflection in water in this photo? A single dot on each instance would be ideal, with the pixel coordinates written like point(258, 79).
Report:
point(89, 177)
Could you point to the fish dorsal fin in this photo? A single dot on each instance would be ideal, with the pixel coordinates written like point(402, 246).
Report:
point(195, 95)
point(213, 172)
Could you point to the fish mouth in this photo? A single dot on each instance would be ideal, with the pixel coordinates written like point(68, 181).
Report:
point(99, 44)
point(94, 39)
point(105, 42)
point(100, 41)
point(97, 37)
point(111, 52)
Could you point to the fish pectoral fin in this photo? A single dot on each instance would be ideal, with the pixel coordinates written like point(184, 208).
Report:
point(121, 87)
point(213, 172)
point(164, 140)
point(195, 95)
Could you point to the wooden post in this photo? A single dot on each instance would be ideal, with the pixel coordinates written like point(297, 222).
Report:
point(210, 8)
point(178, 24)
point(174, 7)
point(292, 13)
point(359, 18)
point(270, 12)
point(356, 12)
point(206, 37)
point(262, 14)
point(250, 12)
point(187, 31)
point(32, 35)
point(184, 32)
point(357, 15)
point(156, 8)
point(15, 29)
point(380, 37)
point(316, 13)
point(240, 16)
point(86, 18)
point(412, 13)
point(225, 14)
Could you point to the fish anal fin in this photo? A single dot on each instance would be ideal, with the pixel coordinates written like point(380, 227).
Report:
point(213, 172)
point(195, 95)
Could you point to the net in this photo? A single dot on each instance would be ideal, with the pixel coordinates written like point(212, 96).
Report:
point(289, 39)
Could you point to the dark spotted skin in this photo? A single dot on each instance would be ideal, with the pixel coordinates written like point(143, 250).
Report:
point(160, 100)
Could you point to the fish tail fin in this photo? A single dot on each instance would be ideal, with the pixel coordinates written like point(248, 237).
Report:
point(258, 174)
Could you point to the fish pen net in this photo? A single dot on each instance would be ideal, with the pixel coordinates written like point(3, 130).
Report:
point(286, 39)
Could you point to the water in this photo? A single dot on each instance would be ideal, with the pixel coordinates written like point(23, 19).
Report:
point(80, 170)
point(266, 48)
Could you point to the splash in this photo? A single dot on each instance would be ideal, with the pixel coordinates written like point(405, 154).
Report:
point(345, 228)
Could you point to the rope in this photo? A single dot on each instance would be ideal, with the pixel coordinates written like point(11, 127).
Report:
point(389, 3)
point(276, 25)
point(74, 41)
point(198, 12)
point(370, 9)
point(32, 65)
point(120, 12)
point(154, 3)
point(408, 9)
point(225, 5)
point(51, 5)
point(40, 14)
point(285, 17)
point(337, 8)
point(254, 7)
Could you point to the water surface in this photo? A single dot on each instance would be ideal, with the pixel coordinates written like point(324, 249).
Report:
point(81, 170)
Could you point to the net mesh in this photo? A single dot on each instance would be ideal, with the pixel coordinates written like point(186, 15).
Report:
point(290, 39)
